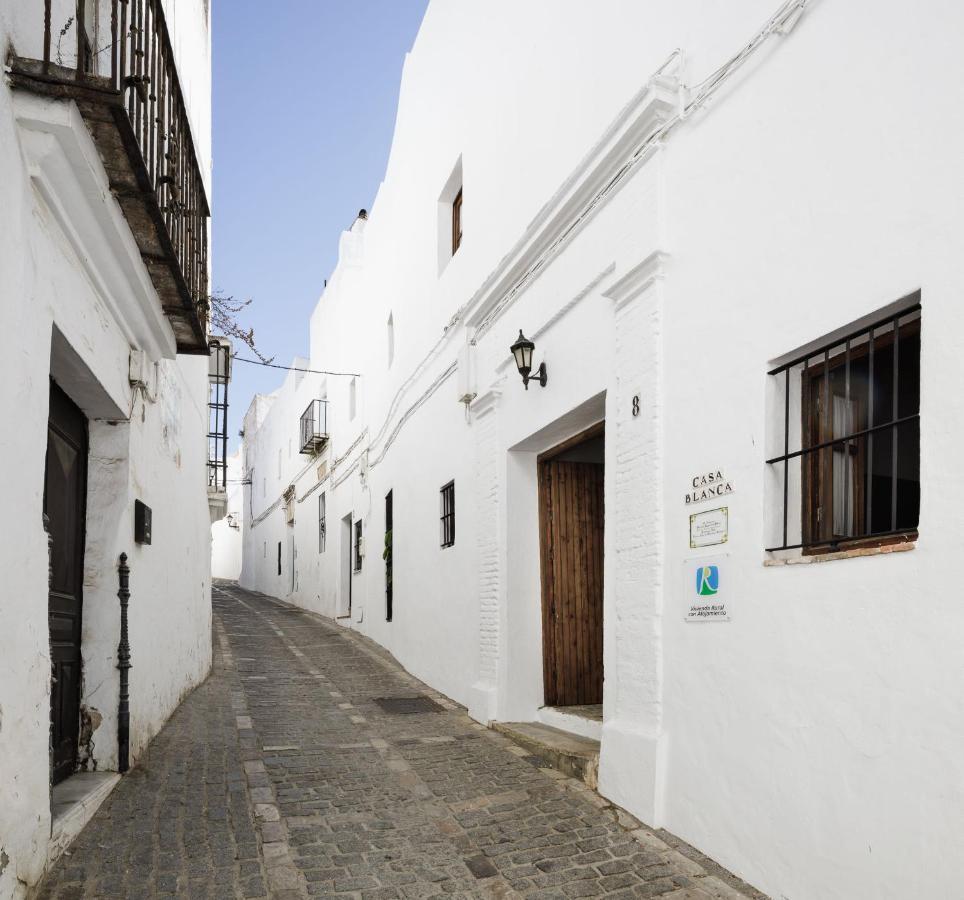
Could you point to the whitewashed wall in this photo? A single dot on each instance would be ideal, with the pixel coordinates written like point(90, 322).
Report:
point(225, 537)
point(75, 299)
point(810, 744)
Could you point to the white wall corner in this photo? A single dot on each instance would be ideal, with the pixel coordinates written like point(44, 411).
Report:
point(631, 767)
point(482, 704)
point(637, 280)
point(487, 401)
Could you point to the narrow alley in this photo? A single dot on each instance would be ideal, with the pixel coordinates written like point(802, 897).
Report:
point(310, 764)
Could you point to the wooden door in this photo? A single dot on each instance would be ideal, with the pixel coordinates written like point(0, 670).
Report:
point(572, 526)
point(65, 491)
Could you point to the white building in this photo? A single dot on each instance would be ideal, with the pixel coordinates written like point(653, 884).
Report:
point(105, 400)
point(676, 203)
point(226, 532)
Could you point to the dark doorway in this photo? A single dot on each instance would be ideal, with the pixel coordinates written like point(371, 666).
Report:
point(571, 524)
point(388, 557)
point(65, 492)
point(347, 551)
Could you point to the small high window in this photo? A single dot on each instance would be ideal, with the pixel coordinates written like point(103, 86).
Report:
point(848, 464)
point(451, 217)
point(447, 517)
point(457, 222)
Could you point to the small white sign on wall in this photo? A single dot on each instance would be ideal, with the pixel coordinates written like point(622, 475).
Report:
point(706, 590)
point(709, 528)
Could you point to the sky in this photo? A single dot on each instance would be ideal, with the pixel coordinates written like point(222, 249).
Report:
point(305, 96)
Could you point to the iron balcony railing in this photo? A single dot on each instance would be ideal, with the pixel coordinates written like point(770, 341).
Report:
point(219, 377)
point(117, 54)
point(314, 426)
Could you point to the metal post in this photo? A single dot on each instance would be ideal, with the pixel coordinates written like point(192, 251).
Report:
point(50, 584)
point(124, 664)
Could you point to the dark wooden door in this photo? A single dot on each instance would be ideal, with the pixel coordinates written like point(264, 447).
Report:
point(65, 490)
point(571, 523)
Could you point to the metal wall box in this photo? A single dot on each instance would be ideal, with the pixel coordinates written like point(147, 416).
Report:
point(142, 523)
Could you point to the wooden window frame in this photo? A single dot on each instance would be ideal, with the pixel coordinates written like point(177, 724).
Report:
point(447, 515)
point(457, 222)
point(817, 484)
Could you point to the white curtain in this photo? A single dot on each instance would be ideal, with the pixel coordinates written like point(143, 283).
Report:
point(843, 467)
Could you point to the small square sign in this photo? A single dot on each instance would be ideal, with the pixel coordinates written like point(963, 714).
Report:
point(706, 590)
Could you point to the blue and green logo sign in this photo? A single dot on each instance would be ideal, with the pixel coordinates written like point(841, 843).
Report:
point(707, 580)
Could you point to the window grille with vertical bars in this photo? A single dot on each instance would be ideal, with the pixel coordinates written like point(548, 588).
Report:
point(447, 504)
point(850, 460)
point(358, 546)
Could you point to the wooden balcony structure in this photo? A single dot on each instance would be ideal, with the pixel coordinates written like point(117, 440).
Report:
point(131, 100)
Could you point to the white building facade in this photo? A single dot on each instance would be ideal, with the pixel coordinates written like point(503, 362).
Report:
point(729, 515)
point(103, 274)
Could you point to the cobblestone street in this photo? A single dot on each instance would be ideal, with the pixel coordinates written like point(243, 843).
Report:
point(283, 776)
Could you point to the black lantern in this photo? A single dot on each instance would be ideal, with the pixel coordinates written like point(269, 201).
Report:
point(522, 351)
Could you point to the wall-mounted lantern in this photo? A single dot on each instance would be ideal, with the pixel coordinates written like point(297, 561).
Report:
point(522, 351)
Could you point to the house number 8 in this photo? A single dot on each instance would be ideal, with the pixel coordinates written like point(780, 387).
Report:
point(636, 405)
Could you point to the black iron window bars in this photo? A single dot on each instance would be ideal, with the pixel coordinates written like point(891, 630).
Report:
point(850, 456)
point(314, 427)
point(447, 517)
point(358, 546)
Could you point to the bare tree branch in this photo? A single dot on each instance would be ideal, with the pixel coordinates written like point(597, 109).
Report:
point(223, 312)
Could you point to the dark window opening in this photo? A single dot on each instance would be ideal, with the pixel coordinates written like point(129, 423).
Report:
point(447, 500)
point(279, 557)
point(387, 554)
point(857, 466)
point(457, 222)
point(358, 546)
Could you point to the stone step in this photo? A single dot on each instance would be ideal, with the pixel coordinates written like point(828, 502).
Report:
point(571, 754)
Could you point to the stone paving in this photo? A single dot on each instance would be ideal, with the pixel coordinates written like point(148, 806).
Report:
point(284, 777)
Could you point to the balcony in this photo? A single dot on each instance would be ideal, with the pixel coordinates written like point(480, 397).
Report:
point(314, 427)
point(115, 60)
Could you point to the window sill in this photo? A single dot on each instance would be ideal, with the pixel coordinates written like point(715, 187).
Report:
point(853, 553)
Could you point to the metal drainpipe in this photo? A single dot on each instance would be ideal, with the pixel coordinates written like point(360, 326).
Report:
point(124, 664)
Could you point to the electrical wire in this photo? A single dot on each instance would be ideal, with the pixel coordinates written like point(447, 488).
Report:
point(257, 362)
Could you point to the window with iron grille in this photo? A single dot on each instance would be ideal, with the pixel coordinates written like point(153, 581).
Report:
point(847, 469)
point(447, 504)
point(279, 557)
point(321, 522)
point(358, 546)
